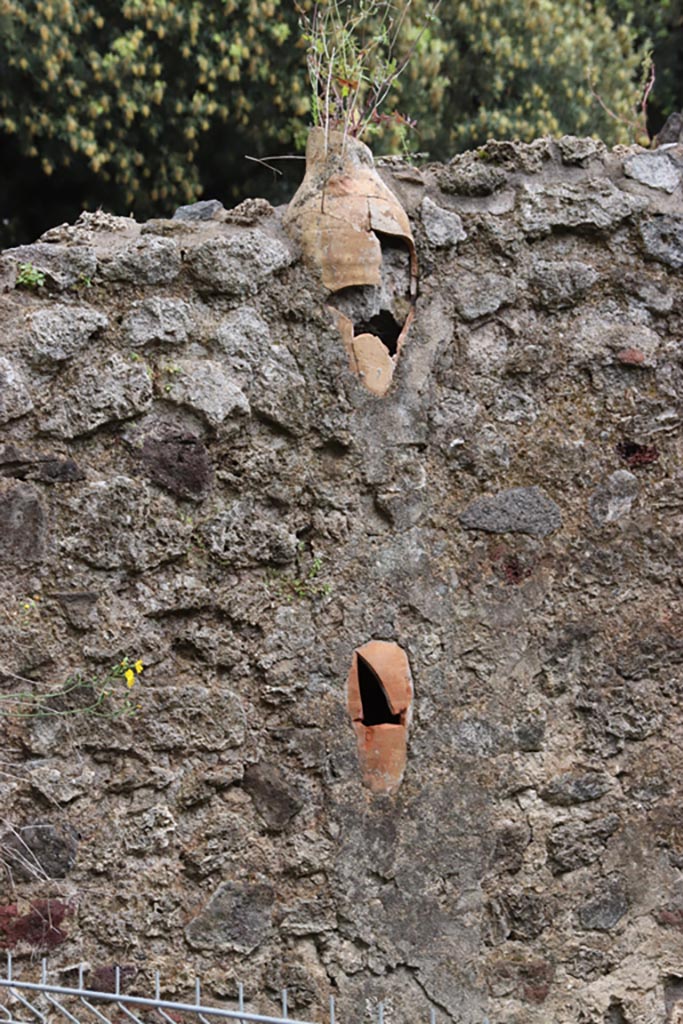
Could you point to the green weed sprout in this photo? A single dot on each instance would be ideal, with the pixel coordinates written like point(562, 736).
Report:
point(99, 696)
point(30, 277)
point(352, 57)
point(306, 585)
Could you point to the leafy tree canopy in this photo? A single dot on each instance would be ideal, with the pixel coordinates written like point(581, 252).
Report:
point(140, 105)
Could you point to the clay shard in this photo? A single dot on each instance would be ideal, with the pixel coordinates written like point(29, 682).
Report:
point(369, 358)
point(380, 694)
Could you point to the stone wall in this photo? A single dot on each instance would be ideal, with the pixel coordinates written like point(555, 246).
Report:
point(191, 476)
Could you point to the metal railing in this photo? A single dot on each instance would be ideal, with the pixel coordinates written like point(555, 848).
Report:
point(76, 1004)
point(71, 1001)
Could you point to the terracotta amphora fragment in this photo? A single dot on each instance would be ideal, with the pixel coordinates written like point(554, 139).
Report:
point(380, 694)
point(354, 232)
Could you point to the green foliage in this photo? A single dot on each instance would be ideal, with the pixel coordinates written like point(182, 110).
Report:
point(30, 277)
point(660, 23)
point(140, 104)
point(306, 585)
point(99, 696)
point(488, 68)
point(352, 53)
point(127, 90)
point(525, 70)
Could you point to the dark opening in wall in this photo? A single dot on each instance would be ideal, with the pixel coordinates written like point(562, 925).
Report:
point(376, 708)
point(635, 454)
point(673, 997)
point(615, 1013)
point(383, 326)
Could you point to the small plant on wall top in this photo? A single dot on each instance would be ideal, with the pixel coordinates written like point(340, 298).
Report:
point(352, 56)
point(30, 277)
point(108, 695)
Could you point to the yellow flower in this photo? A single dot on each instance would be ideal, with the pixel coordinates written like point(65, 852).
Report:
point(130, 678)
point(139, 666)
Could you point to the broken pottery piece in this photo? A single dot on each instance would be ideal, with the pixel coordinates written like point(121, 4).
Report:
point(354, 232)
point(380, 694)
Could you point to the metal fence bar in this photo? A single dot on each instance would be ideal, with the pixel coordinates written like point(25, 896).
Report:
point(19, 990)
point(126, 1004)
point(25, 1002)
point(163, 1004)
point(93, 1009)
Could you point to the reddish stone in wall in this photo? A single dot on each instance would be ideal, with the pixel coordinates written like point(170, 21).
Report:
point(380, 693)
point(39, 926)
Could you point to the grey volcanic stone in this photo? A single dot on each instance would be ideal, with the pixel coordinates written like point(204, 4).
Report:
point(157, 319)
point(276, 797)
point(40, 850)
point(193, 718)
point(596, 205)
point(655, 295)
point(662, 237)
point(80, 610)
point(518, 510)
point(603, 911)
point(558, 284)
point(206, 209)
point(477, 295)
point(529, 733)
point(468, 175)
point(59, 332)
point(237, 918)
point(149, 260)
point(575, 788)
point(672, 130)
point(15, 399)
point(278, 391)
point(117, 523)
point(528, 915)
point(244, 337)
point(442, 227)
point(23, 524)
point(516, 156)
point(242, 534)
point(511, 840)
point(613, 499)
point(97, 393)
point(572, 844)
point(203, 386)
point(63, 266)
point(653, 169)
point(239, 263)
point(622, 338)
point(577, 151)
point(598, 342)
point(249, 211)
point(46, 468)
